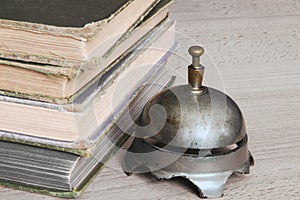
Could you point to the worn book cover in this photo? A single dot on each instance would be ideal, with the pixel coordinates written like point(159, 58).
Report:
point(66, 33)
point(76, 127)
point(65, 84)
point(39, 168)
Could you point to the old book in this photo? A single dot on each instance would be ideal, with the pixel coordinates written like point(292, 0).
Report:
point(64, 84)
point(63, 174)
point(79, 125)
point(66, 32)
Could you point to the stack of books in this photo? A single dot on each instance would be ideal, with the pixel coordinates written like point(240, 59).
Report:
point(73, 79)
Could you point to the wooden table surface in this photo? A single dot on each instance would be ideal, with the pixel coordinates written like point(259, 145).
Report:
point(253, 54)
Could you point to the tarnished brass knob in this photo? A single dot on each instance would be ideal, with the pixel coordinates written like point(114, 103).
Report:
point(196, 52)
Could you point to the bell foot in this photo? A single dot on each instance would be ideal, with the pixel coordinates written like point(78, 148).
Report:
point(210, 185)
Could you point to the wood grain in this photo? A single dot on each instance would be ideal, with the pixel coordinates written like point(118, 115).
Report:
point(252, 53)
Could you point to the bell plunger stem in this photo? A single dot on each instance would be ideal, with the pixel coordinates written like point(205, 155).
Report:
point(196, 70)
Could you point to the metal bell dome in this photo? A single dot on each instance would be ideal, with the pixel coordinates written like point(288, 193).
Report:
point(212, 119)
point(191, 131)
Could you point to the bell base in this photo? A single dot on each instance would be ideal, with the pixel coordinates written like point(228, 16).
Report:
point(208, 174)
point(209, 185)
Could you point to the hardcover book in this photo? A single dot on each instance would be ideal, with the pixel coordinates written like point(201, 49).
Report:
point(62, 174)
point(64, 84)
point(74, 78)
point(66, 32)
point(76, 127)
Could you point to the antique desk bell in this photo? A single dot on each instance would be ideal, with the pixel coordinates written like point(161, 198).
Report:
point(191, 131)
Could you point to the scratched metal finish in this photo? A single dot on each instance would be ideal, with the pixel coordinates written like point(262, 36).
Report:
point(210, 119)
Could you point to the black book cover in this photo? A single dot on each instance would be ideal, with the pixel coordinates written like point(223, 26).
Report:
point(64, 13)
